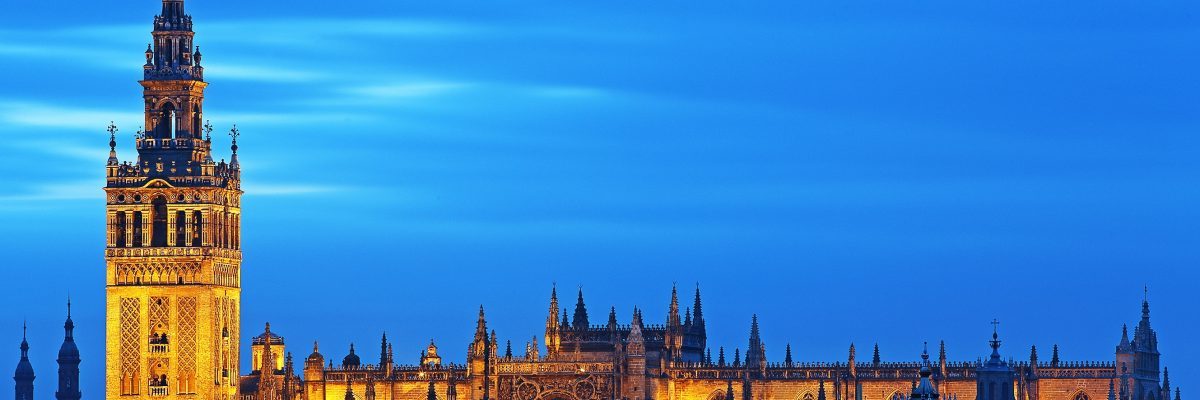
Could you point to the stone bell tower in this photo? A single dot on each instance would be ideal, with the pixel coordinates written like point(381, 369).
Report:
point(173, 254)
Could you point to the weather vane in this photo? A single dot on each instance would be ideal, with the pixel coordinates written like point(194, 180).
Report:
point(112, 135)
point(234, 133)
point(139, 135)
point(208, 131)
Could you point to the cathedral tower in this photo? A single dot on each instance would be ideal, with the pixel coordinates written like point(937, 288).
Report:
point(173, 258)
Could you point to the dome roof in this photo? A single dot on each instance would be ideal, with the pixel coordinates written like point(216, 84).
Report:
point(261, 339)
point(24, 368)
point(316, 357)
point(351, 359)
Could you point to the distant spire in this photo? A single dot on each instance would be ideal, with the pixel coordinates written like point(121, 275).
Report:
point(821, 389)
point(481, 326)
point(1054, 357)
point(850, 361)
point(68, 362)
point(708, 356)
point(1176, 393)
point(875, 356)
point(432, 393)
point(697, 313)
point(1123, 346)
point(24, 375)
point(1166, 384)
point(721, 356)
point(612, 317)
point(737, 357)
point(673, 320)
point(581, 318)
point(687, 317)
point(1112, 393)
point(787, 358)
point(729, 389)
point(508, 349)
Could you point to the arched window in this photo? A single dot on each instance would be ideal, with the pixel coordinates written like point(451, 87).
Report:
point(1081, 396)
point(159, 229)
point(181, 228)
point(119, 229)
point(197, 228)
point(137, 229)
point(165, 127)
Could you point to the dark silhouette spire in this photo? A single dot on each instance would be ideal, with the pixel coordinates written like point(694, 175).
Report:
point(1166, 384)
point(787, 358)
point(384, 359)
point(480, 326)
point(1123, 346)
point(697, 313)
point(581, 318)
point(566, 322)
point(821, 389)
point(687, 317)
point(68, 362)
point(1112, 393)
point(737, 357)
point(729, 390)
point(754, 352)
point(612, 317)
point(994, 360)
point(1176, 393)
point(24, 375)
point(875, 356)
point(431, 394)
point(850, 361)
point(708, 356)
point(1054, 357)
point(721, 356)
point(925, 390)
point(508, 349)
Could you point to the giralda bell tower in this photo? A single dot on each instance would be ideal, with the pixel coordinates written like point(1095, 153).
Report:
point(173, 255)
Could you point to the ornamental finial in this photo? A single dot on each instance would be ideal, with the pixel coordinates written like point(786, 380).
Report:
point(234, 133)
point(208, 128)
point(112, 135)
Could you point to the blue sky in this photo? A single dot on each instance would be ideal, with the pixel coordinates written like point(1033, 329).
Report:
point(888, 172)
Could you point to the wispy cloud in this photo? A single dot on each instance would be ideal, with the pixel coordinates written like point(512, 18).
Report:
point(408, 89)
point(285, 189)
point(71, 190)
point(44, 115)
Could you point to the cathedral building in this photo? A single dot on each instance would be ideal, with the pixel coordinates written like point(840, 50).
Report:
point(173, 280)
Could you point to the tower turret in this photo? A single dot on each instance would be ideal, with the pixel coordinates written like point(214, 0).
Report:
point(925, 389)
point(994, 378)
point(24, 375)
point(68, 362)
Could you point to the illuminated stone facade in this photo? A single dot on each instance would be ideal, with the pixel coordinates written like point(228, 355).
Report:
point(612, 360)
point(173, 296)
point(173, 246)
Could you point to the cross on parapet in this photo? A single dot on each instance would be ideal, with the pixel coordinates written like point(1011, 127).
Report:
point(995, 325)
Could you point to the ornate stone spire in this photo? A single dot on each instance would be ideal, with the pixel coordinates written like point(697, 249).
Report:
point(787, 357)
point(553, 339)
point(266, 373)
point(673, 319)
point(612, 317)
point(1123, 346)
point(875, 356)
point(721, 356)
point(1054, 356)
point(821, 389)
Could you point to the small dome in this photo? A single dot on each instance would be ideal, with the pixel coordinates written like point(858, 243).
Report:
point(351, 360)
point(24, 368)
point(261, 339)
point(316, 357)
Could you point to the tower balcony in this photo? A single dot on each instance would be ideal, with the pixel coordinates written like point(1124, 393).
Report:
point(160, 348)
point(158, 391)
